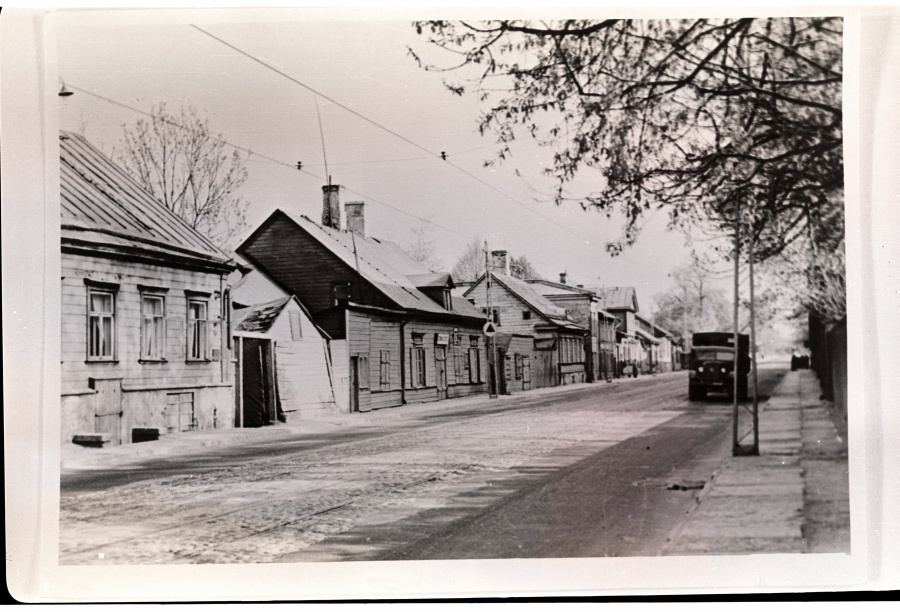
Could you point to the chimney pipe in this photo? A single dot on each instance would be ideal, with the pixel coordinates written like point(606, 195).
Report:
point(562, 278)
point(499, 262)
point(331, 206)
point(356, 217)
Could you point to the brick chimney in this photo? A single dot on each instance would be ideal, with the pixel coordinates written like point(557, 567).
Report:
point(356, 217)
point(499, 262)
point(331, 206)
point(562, 278)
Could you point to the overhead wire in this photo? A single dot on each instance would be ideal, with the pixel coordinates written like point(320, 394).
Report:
point(267, 158)
point(386, 129)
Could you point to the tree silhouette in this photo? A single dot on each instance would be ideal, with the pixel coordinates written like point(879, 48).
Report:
point(183, 165)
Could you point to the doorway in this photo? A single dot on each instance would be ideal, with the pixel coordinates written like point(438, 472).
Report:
point(354, 383)
point(108, 413)
point(257, 382)
point(440, 370)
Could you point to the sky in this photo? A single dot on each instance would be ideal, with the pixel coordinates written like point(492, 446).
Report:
point(390, 159)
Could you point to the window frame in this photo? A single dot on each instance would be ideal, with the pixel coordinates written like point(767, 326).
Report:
point(474, 365)
point(384, 371)
point(160, 294)
point(189, 335)
point(335, 300)
point(112, 292)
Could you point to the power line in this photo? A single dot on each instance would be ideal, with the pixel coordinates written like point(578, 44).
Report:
point(386, 129)
point(270, 159)
point(276, 161)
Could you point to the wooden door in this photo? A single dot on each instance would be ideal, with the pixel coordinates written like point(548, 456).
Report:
point(354, 384)
point(179, 412)
point(258, 400)
point(544, 375)
point(108, 413)
point(440, 371)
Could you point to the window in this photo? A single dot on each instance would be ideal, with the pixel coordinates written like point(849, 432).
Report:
point(496, 317)
point(384, 376)
point(341, 293)
point(296, 326)
point(474, 366)
point(460, 368)
point(417, 360)
point(180, 412)
point(363, 361)
point(526, 314)
point(101, 325)
point(153, 327)
point(448, 301)
point(197, 348)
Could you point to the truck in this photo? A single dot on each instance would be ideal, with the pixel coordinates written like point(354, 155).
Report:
point(711, 364)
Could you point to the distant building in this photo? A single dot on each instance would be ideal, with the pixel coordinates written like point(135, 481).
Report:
point(584, 308)
point(145, 343)
point(559, 355)
point(630, 349)
point(397, 334)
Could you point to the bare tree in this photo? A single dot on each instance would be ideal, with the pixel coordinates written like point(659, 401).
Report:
point(521, 267)
point(470, 264)
point(693, 304)
point(182, 164)
point(422, 248)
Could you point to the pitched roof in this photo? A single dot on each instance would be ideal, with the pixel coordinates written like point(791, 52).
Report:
point(526, 294)
point(383, 264)
point(259, 318)
point(432, 279)
point(549, 288)
point(616, 298)
point(101, 204)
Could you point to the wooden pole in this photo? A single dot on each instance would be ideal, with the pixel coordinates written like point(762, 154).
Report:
point(753, 355)
point(492, 362)
point(735, 446)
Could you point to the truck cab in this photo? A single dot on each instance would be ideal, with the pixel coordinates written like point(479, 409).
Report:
point(711, 364)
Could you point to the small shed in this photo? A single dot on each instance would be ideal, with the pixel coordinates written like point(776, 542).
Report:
point(283, 367)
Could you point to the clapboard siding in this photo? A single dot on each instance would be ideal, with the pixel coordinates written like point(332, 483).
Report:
point(73, 328)
point(509, 307)
point(371, 334)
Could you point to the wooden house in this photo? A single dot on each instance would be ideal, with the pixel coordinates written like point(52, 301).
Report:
point(584, 308)
point(145, 346)
point(630, 349)
point(558, 349)
point(397, 334)
point(282, 361)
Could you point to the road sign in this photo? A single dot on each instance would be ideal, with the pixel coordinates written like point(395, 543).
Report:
point(489, 329)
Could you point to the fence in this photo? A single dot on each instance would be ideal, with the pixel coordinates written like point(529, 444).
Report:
point(828, 359)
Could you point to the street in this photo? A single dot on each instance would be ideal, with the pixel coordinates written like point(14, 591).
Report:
point(602, 470)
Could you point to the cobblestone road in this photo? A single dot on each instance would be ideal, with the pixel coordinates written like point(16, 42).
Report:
point(272, 509)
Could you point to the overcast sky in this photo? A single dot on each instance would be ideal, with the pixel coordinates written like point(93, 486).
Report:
point(140, 59)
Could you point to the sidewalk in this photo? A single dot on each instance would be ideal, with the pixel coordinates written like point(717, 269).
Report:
point(74, 457)
point(792, 498)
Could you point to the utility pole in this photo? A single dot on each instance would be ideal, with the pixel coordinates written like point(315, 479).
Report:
point(735, 445)
point(492, 362)
point(753, 354)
